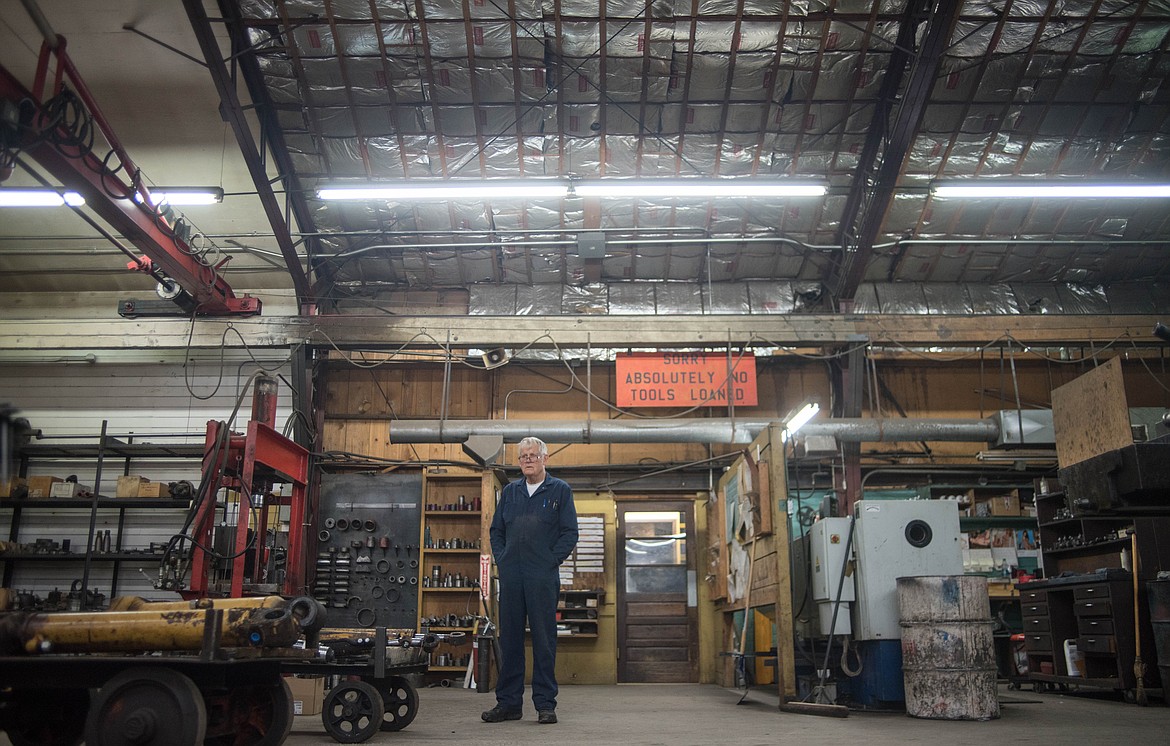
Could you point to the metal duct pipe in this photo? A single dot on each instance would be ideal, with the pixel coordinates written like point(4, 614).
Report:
point(722, 430)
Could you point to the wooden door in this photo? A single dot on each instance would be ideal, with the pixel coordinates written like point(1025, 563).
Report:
point(657, 592)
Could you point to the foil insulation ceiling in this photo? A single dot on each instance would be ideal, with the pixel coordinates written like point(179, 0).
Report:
point(365, 91)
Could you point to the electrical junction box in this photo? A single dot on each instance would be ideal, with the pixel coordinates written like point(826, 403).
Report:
point(828, 538)
point(896, 539)
point(591, 245)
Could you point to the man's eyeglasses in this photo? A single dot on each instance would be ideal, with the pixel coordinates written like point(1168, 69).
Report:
point(531, 457)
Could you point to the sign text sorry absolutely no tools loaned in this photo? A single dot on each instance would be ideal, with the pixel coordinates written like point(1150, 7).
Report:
point(684, 379)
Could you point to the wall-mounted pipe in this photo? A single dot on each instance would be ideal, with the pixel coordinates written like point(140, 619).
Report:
point(721, 430)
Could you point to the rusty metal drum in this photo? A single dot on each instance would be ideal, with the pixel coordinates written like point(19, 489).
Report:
point(948, 653)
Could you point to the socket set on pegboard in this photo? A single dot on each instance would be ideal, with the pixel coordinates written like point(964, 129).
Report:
point(367, 560)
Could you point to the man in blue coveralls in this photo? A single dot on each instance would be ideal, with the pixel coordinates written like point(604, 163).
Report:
point(533, 531)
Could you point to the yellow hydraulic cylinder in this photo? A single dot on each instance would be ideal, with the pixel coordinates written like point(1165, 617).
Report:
point(134, 603)
point(143, 631)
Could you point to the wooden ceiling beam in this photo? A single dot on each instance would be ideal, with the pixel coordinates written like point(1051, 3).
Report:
point(946, 334)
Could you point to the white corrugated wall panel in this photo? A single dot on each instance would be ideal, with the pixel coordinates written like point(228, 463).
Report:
point(150, 402)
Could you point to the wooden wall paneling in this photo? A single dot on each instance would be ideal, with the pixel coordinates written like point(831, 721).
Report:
point(772, 451)
point(336, 393)
point(1146, 389)
point(924, 389)
point(357, 438)
point(354, 437)
point(377, 438)
point(762, 503)
point(763, 574)
point(715, 563)
point(709, 617)
point(763, 622)
point(383, 385)
point(764, 568)
point(333, 390)
point(420, 393)
point(719, 538)
point(470, 397)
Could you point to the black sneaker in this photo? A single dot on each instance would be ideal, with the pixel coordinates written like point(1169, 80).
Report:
point(498, 715)
point(546, 717)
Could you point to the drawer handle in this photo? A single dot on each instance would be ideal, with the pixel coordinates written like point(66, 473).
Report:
point(1091, 640)
point(1089, 605)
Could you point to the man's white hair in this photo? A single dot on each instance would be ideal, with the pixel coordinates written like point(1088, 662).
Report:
point(531, 441)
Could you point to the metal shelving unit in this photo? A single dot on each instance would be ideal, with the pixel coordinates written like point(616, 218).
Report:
point(101, 447)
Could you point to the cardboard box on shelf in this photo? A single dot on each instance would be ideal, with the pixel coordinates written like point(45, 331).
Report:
point(1005, 505)
point(133, 485)
point(308, 694)
point(40, 487)
point(6, 488)
point(985, 505)
point(69, 489)
point(154, 489)
point(128, 485)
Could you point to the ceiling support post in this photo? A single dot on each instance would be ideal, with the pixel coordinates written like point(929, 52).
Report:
point(872, 193)
point(233, 113)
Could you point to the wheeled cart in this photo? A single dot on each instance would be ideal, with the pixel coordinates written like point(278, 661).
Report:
point(223, 696)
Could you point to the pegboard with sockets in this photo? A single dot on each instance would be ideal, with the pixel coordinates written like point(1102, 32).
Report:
point(366, 562)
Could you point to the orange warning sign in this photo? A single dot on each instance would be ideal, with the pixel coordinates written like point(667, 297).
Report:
point(684, 379)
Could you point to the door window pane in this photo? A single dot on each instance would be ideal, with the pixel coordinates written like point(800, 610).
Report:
point(656, 551)
point(655, 538)
point(656, 579)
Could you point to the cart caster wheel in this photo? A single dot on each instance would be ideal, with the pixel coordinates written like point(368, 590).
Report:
point(1040, 687)
point(46, 717)
point(352, 712)
point(147, 707)
point(1013, 686)
point(400, 699)
point(1130, 696)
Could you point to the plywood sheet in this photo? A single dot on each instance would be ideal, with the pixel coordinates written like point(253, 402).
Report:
point(1090, 415)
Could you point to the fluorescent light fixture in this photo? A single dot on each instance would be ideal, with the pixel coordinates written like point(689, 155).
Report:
point(799, 419)
point(697, 188)
point(39, 198)
point(1047, 190)
point(184, 196)
point(441, 190)
point(600, 188)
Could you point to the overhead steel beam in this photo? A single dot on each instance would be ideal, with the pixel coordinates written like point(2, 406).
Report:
point(545, 332)
point(233, 113)
point(872, 193)
point(272, 132)
point(114, 201)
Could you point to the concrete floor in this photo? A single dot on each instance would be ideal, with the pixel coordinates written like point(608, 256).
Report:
point(690, 715)
point(694, 715)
